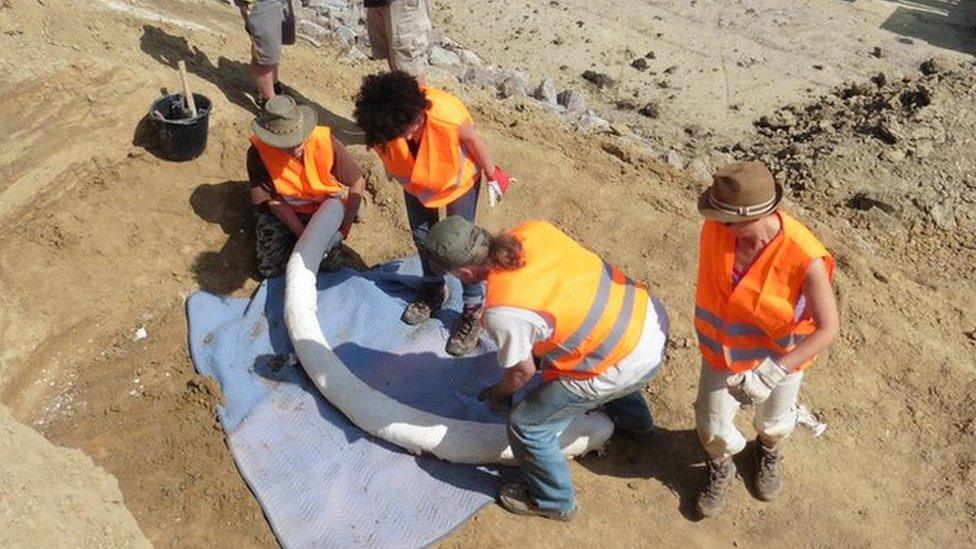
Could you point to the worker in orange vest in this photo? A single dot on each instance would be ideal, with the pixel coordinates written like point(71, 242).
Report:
point(428, 143)
point(764, 309)
point(294, 166)
point(597, 336)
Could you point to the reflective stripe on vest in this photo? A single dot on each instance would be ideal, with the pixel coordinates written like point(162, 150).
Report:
point(740, 325)
point(596, 312)
point(426, 195)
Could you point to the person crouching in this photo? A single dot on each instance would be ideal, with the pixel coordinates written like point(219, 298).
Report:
point(597, 336)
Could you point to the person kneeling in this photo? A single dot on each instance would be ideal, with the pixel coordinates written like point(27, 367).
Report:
point(597, 335)
point(294, 166)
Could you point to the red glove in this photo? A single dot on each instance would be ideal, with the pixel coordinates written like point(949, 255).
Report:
point(344, 231)
point(497, 186)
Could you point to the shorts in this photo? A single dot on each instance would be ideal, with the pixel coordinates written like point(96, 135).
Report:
point(401, 33)
point(270, 24)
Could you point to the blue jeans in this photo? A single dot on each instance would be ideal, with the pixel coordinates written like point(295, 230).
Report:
point(536, 422)
point(423, 218)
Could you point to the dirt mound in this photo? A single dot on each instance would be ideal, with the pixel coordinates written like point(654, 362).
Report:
point(56, 497)
point(892, 157)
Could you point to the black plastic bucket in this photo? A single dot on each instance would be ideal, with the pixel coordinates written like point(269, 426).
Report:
point(181, 137)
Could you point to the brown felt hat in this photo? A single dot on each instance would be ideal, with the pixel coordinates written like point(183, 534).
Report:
point(741, 191)
point(284, 123)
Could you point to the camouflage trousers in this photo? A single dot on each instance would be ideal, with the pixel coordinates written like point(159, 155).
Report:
point(274, 241)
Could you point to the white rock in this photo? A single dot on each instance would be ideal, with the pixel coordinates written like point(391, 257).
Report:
point(141, 333)
point(675, 160)
point(469, 57)
point(439, 57)
point(700, 171)
point(311, 30)
point(573, 100)
point(546, 92)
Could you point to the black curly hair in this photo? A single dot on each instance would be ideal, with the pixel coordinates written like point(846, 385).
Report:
point(386, 105)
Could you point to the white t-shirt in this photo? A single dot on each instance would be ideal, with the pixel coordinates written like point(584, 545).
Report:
point(516, 331)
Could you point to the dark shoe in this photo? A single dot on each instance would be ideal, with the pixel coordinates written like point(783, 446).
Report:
point(713, 498)
point(280, 89)
point(768, 469)
point(431, 299)
point(464, 336)
point(515, 498)
point(332, 261)
point(260, 101)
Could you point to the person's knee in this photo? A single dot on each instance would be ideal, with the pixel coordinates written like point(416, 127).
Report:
point(776, 427)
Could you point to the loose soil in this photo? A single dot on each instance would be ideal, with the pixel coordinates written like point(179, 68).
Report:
point(100, 237)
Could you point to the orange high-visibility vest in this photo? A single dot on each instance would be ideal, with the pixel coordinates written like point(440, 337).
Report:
point(596, 312)
point(740, 326)
point(443, 169)
point(306, 183)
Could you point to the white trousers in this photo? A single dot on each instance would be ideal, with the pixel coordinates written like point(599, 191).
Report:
point(715, 411)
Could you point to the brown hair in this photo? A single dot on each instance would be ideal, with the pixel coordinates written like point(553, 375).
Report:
point(505, 252)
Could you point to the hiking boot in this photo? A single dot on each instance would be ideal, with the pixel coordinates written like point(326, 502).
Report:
point(768, 477)
point(713, 498)
point(280, 88)
point(464, 336)
point(332, 261)
point(515, 498)
point(431, 299)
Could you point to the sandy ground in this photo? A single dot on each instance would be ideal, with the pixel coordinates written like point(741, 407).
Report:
point(100, 237)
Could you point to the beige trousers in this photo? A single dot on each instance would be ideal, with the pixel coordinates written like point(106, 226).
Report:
point(401, 33)
point(715, 411)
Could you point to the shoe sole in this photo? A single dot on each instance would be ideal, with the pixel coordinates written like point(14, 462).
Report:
point(541, 514)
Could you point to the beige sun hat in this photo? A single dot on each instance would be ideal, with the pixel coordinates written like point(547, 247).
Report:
point(741, 191)
point(284, 123)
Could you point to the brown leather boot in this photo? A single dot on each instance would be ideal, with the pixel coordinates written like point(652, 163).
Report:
point(768, 471)
point(713, 498)
point(464, 336)
point(431, 299)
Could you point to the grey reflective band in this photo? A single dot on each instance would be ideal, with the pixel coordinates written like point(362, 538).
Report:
point(616, 333)
point(755, 209)
point(732, 328)
point(749, 353)
point(427, 194)
point(709, 343)
point(592, 317)
point(300, 202)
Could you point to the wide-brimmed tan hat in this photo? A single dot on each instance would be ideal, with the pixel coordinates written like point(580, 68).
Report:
point(284, 123)
point(741, 191)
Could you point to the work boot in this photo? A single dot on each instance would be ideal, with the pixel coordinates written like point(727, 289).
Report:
point(713, 498)
point(464, 336)
point(515, 498)
point(768, 477)
point(332, 261)
point(431, 299)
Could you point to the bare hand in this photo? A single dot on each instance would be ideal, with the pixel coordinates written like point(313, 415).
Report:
point(496, 401)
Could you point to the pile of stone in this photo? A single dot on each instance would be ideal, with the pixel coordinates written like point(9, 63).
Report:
point(344, 21)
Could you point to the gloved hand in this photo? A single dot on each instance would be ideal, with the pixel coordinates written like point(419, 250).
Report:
point(496, 402)
point(497, 186)
point(754, 386)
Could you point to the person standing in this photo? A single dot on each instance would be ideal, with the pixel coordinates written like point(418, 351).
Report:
point(400, 32)
point(597, 336)
point(270, 24)
point(428, 143)
point(294, 166)
point(764, 309)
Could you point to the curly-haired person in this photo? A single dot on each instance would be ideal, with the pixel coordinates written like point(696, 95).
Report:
point(428, 143)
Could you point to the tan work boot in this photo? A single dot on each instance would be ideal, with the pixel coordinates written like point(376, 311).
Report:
point(464, 336)
point(515, 498)
point(768, 468)
point(431, 299)
point(713, 498)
